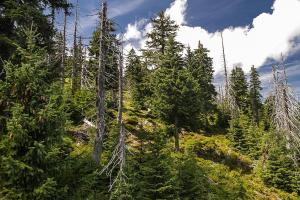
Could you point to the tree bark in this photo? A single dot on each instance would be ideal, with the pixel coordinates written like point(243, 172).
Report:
point(83, 75)
point(120, 108)
point(100, 132)
point(225, 67)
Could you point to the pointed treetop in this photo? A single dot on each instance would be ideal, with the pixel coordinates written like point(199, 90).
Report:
point(132, 51)
point(200, 45)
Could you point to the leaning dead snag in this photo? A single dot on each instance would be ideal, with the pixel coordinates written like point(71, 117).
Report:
point(225, 67)
point(227, 97)
point(286, 109)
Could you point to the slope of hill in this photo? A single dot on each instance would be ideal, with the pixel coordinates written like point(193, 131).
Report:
point(209, 163)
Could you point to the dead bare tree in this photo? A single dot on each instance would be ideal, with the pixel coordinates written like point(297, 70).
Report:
point(231, 101)
point(64, 47)
point(119, 154)
point(286, 109)
point(120, 108)
point(220, 96)
point(52, 8)
point(227, 97)
point(75, 52)
point(225, 66)
point(100, 131)
point(84, 71)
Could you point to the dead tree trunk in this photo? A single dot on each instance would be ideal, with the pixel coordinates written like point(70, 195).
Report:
point(225, 67)
point(286, 112)
point(120, 108)
point(64, 49)
point(80, 61)
point(83, 75)
point(286, 107)
point(100, 132)
point(75, 51)
point(52, 15)
point(119, 154)
point(229, 100)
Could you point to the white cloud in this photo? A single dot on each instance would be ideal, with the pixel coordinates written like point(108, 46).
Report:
point(177, 11)
point(266, 38)
point(132, 32)
point(135, 35)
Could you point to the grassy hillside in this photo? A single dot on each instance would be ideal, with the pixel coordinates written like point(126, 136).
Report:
point(224, 172)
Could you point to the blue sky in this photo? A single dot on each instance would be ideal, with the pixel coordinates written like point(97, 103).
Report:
point(213, 15)
point(256, 32)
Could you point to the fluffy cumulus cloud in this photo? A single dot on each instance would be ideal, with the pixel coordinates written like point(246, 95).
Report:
point(177, 11)
point(266, 38)
point(132, 32)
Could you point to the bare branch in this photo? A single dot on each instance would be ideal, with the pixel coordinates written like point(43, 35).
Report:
point(286, 109)
point(119, 154)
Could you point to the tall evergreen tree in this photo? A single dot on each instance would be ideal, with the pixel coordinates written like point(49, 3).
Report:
point(268, 110)
point(239, 88)
point(175, 92)
point(163, 28)
point(254, 95)
point(199, 64)
point(136, 74)
point(31, 140)
point(16, 15)
point(173, 59)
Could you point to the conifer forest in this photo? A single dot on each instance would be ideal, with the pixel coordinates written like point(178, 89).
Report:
point(87, 119)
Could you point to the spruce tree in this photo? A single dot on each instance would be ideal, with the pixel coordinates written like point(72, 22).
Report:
point(16, 15)
point(31, 140)
point(192, 181)
point(176, 93)
point(163, 29)
point(237, 133)
point(239, 88)
point(254, 95)
point(152, 171)
point(268, 110)
point(189, 58)
point(136, 74)
point(246, 136)
point(280, 171)
point(199, 64)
